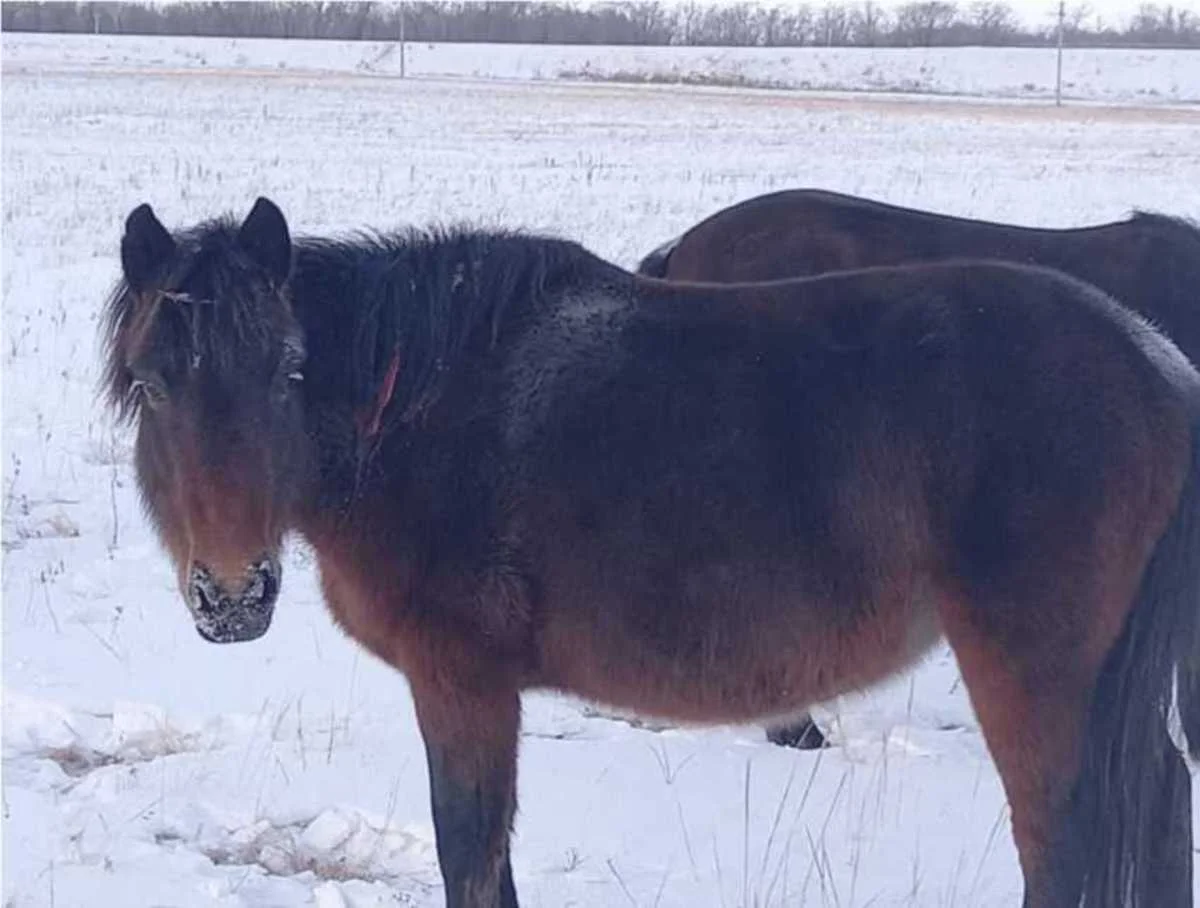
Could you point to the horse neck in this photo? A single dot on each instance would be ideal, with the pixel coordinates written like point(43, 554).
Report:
point(327, 288)
point(391, 325)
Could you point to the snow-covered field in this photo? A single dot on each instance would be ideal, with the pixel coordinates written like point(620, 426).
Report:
point(1142, 76)
point(143, 767)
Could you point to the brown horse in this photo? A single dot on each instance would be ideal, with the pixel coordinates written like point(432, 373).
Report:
point(522, 467)
point(1149, 262)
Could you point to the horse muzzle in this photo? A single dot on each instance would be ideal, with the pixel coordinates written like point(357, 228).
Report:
point(225, 616)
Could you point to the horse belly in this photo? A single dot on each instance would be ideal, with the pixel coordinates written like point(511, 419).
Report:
point(735, 661)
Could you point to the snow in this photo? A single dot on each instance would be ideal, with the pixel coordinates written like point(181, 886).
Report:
point(144, 767)
point(1144, 76)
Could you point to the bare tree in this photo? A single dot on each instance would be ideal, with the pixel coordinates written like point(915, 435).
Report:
point(798, 26)
point(994, 22)
point(835, 22)
point(867, 23)
point(1164, 24)
point(919, 23)
point(833, 25)
point(1073, 17)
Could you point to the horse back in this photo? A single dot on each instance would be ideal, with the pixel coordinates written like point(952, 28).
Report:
point(698, 473)
point(1148, 262)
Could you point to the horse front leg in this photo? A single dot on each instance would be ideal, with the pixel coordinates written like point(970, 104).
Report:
point(471, 747)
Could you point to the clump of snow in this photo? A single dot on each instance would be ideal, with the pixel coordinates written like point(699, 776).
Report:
point(336, 845)
point(35, 725)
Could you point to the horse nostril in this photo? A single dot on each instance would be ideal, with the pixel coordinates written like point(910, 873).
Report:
point(264, 582)
point(230, 616)
point(262, 587)
point(257, 586)
point(202, 588)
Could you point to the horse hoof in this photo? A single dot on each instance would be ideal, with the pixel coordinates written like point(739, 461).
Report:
point(803, 736)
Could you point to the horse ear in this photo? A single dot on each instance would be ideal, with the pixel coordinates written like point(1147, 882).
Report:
point(264, 234)
point(146, 247)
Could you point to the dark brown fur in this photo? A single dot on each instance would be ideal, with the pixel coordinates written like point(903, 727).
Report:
point(1149, 262)
point(703, 503)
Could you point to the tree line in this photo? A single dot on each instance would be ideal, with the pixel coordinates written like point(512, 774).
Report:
point(859, 23)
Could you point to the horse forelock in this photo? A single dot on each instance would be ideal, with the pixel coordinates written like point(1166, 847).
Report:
point(207, 310)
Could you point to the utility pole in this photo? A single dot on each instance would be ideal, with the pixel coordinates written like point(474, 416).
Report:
point(1062, 15)
point(401, 40)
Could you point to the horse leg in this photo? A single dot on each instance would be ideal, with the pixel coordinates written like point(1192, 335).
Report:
point(801, 733)
point(1033, 719)
point(471, 747)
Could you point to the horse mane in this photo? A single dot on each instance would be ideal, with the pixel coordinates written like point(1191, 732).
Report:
point(419, 296)
point(422, 295)
point(1176, 242)
point(1178, 226)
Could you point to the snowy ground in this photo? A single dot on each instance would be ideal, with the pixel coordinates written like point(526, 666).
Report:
point(143, 767)
point(1139, 76)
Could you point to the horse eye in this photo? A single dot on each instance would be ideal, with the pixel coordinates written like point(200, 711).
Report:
point(293, 361)
point(150, 390)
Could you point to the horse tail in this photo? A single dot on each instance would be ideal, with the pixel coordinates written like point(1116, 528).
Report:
point(1189, 701)
point(1133, 795)
point(655, 264)
point(1187, 671)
